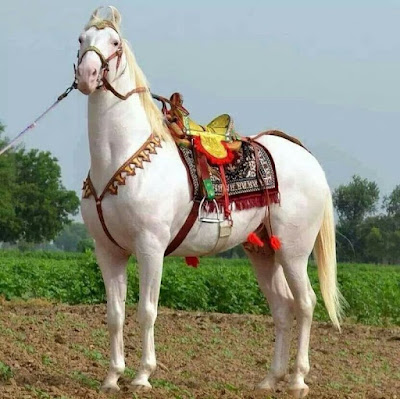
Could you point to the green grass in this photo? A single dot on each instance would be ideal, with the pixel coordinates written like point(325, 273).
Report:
point(40, 394)
point(90, 354)
point(46, 360)
point(218, 285)
point(5, 372)
point(172, 388)
point(85, 380)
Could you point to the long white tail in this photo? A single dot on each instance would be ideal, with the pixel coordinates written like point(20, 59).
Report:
point(325, 255)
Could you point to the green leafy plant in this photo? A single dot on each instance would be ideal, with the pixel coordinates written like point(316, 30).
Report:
point(5, 372)
point(218, 285)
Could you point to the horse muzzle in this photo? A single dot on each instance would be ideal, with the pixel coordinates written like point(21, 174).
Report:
point(87, 77)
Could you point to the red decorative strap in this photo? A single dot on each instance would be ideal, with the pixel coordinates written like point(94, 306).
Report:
point(227, 211)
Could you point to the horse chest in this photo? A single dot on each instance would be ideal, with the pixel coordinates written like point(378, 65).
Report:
point(116, 221)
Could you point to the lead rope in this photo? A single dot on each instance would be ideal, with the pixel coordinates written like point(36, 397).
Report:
point(34, 123)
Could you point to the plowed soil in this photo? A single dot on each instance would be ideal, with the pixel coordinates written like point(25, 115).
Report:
point(58, 351)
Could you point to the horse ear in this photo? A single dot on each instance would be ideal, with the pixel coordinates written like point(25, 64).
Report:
point(115, 16)
point(95, 13)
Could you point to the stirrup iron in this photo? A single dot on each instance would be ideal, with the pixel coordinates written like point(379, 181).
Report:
point(203, 215)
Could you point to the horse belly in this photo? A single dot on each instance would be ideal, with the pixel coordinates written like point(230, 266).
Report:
point(203, 238)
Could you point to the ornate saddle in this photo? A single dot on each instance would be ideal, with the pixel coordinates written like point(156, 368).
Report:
point(218, 140)
point(217, 160)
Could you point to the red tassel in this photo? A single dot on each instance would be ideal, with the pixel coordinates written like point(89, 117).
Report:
point(254, 239)
point(275, 243)
point(192, 261)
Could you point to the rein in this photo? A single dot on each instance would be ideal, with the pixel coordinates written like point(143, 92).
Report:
point(42, 115)
point(106, 85)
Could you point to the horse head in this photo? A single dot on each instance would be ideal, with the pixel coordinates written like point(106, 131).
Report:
point(101, 53)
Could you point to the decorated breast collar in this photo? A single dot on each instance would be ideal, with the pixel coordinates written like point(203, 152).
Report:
point(128, 168)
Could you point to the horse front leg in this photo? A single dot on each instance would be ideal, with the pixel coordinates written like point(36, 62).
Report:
point(150, 263)
point(113, 268)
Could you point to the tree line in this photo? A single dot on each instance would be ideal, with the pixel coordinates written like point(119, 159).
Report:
point(36, 209)
point(368, 230)
point(34, 205)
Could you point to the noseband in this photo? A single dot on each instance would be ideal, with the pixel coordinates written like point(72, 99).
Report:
point(105, 63)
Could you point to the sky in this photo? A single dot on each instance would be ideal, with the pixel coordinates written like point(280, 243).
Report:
point(327, 72)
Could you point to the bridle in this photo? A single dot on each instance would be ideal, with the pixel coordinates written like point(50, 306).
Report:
point(102, 78)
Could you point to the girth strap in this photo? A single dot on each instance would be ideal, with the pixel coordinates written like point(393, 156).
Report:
point(184, 231)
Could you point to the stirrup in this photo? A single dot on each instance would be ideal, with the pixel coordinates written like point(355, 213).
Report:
point(203, 214)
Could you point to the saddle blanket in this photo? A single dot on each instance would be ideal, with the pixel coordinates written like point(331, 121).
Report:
point(246, 189)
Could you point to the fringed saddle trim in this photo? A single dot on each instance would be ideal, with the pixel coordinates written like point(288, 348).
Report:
point(243, 202)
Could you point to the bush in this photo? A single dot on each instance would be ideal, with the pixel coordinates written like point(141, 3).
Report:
point(87, 244)
point(218, 285)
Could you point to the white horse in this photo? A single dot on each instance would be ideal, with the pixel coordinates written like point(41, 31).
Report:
point(154, 202)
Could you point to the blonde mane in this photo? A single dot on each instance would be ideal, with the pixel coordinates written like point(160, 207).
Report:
point(154, 115)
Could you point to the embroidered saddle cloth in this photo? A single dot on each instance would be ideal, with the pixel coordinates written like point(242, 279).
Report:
point(250, 178)
point(222, 166)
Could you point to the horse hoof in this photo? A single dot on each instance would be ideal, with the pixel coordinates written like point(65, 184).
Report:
point(270, 382)
point(141, 388)
point(141, 384)
point(110, 388)
point(300, 392)
point(264, 387)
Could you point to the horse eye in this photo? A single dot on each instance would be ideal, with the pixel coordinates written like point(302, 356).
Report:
point(80, 40)
point(115, 43)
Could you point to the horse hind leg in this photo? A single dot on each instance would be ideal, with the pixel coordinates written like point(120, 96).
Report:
point(295, 270)
point(273, 284)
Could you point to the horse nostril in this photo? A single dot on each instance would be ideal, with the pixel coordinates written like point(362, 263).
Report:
point(94, 72)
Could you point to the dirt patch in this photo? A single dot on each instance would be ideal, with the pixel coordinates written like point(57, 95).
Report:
point(59, 351)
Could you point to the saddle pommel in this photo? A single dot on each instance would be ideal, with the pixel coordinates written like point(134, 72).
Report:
point(218, 139)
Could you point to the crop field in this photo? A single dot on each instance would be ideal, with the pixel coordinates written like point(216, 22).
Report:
point(218, 285)
point(214, 335)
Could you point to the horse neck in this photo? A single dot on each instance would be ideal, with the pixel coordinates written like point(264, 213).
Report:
point(117, 129)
